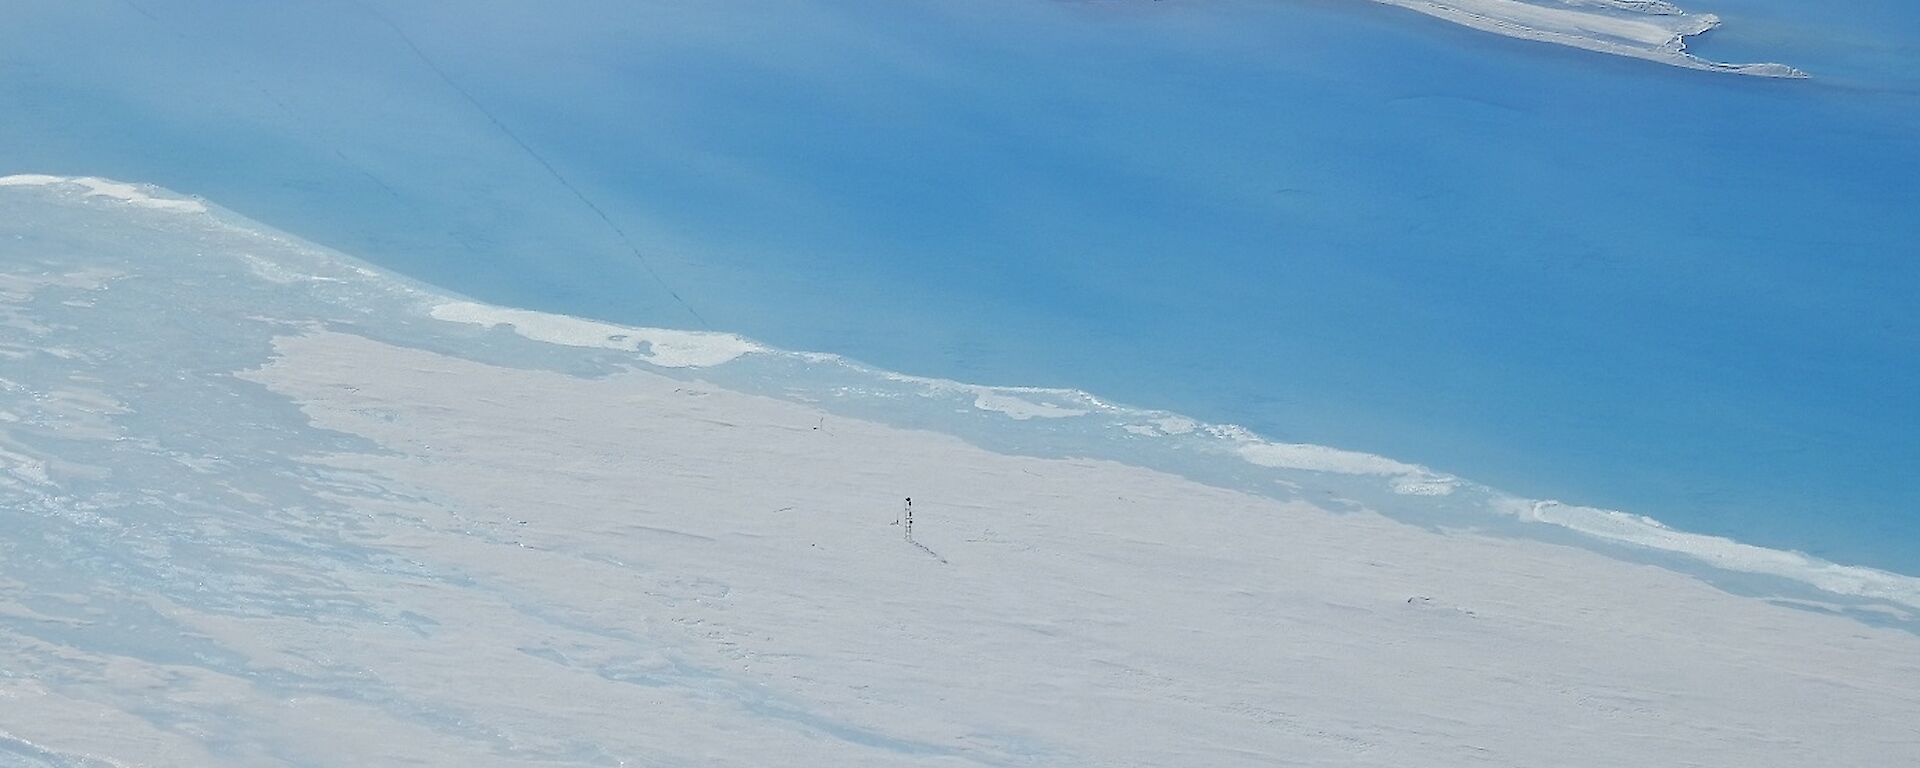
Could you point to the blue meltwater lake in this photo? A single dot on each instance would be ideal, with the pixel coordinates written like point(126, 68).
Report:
point(1562, 274)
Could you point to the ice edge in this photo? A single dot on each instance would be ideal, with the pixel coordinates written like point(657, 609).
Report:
point(669, 348)
point(1584, 29)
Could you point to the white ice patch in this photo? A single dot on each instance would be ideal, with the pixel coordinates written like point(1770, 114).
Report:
point(657, 346)
point(1019, 403)
point(141, 195)
point(1719, 552)
point(279, 274)
point(27, 468)
point(1021, 410)
point(1389, 621)
point(1164, 426)
point(1176, 425)
point(1405, 479)
point(18, 287)
point(1644, 29)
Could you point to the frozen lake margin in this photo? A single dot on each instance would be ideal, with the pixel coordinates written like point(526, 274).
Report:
point(1654, 30)
point(266, 506)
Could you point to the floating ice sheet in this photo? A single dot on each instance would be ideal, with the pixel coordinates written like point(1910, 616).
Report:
point(1643, 29)
point(267, 506)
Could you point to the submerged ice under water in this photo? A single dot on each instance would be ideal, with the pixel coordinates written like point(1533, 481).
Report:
point(130, 311)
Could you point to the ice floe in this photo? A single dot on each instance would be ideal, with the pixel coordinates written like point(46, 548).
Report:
point(1644, 29)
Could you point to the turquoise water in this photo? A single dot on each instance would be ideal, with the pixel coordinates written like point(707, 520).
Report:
point(1562, 274)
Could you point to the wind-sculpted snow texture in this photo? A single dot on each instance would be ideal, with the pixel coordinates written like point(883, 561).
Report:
point(1645, 29)
point(263, 506)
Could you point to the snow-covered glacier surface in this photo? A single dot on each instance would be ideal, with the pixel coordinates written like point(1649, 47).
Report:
point(1655, 30)
point(263, 505)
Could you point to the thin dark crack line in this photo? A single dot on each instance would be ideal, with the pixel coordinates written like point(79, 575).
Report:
point(142, 11)
point(524, 147)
